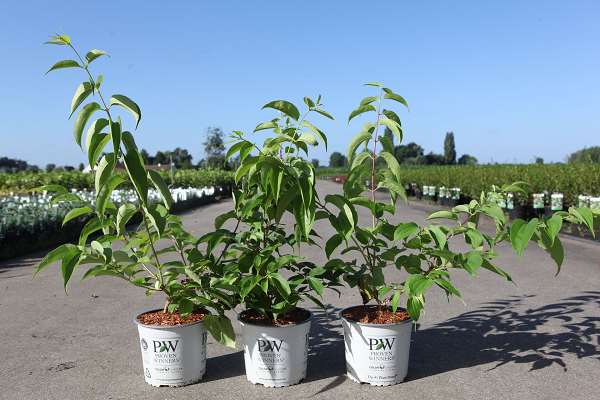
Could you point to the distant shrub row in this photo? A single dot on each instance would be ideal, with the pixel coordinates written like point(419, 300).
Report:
point(26, 181)
point(571, 180)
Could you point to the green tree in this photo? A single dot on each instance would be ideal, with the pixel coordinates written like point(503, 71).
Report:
point(50, 167)
point(449, 149)
point(585, 155)
point(315, 162)
point(408, 153)
point(214, 147)
point(467, 159)
point(337, 160)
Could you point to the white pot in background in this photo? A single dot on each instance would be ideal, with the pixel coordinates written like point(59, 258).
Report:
point(173, 355)
point(377, 353)
point(275, 356)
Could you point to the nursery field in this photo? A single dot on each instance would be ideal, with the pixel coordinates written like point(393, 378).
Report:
point(31, 221)
point(537, 339)
point(572, 180)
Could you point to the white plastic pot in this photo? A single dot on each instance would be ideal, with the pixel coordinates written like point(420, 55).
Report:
point(173, 355)
point(376, 353)
point(275, 356)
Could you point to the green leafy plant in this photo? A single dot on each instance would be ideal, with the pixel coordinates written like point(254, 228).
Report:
point(428, 253)
point(159, 255)
point(273, 180)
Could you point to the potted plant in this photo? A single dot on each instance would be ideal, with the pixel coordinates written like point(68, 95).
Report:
point(377, 333)
point(194, 298)
point(274, 180)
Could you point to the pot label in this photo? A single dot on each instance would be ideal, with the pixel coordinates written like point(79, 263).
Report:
point(271, 359)
point(163, 359)
point(381, 358)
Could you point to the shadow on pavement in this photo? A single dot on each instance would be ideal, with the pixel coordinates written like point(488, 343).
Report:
point(501, 332)
point(225, 366)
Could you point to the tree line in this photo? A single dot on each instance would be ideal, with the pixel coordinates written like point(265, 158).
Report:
point(414, 154)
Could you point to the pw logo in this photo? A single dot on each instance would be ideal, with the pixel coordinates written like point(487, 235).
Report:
point(162, 346)
point(269, 345)
point(381, 343)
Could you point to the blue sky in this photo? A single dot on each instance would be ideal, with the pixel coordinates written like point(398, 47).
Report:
point(512, 79)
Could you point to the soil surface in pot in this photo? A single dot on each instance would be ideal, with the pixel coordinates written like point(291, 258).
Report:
point(160, 318)
point(295, 316)
point(375, 315)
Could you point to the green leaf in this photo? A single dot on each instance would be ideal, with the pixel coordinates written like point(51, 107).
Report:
point(157, 215)
point(135, 169)
point(308, 101)
point(333, 244)
point(473, 262)
point(104, 170)
point(161, 186)
point(128, 104)
point(75, 213)
point(316, 131)
point(103, 195)
point(376, 84)
point(316, 285)
point(392, 164)
point(438, 235)
point(443, 214)
point(586, 216)
point(368, 100)
point(82, 118)
point(497, 270)
point(417, 284)
point(404, 230)
point(285, 107)
point(58, 253)
point(389, 94)
point(557, 253)
point(395, 300)
point(414, 305)
point(93, 225)
point(220, 329)
point(96, 140)
point(361, 110)
point(68, 264)
point(281, 284)
point(124, 214)
point(61, 40)
point(81, 93)
point(553, 226)
point(265, 125)
point(392, 126)
point(521, 233)
point(93, 54)
point(362, 137)
point(324, 113)
point(220, 220)
point(64, 64)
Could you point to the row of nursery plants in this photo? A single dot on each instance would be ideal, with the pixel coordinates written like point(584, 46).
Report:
point(570, 180)
point(251, 263)
point(22, 182)
point(36, 221)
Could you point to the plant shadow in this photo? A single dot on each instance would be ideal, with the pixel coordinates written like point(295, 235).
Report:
point(225, 366)
point(502, 332)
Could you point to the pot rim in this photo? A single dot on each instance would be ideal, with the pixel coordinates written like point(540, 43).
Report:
point(135, 320)
point(307, 320)
point(341, 314)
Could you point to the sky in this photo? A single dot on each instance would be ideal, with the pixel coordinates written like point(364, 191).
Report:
point(512, 79)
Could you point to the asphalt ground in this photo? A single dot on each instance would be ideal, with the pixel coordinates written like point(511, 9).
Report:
point(536, 339)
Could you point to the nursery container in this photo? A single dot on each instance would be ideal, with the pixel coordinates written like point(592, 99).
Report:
point(376, 354)
point(173, 355)
point(556, 201)
point(275, 356)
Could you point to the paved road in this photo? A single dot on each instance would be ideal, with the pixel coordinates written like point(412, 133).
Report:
point(538, 339)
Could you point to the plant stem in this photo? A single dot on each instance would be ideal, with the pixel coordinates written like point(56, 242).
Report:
point(107, 110)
